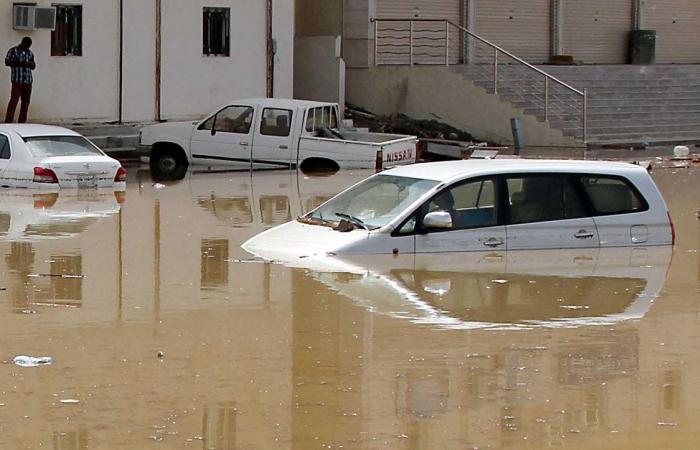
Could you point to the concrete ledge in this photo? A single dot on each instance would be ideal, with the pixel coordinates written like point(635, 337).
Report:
point(437, 92)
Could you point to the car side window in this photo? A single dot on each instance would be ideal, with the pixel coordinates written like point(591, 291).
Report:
point(4, 147)
point(276, 122)
point(471, 205)
point(612, 195)
point(542, 198)
point(232, 119)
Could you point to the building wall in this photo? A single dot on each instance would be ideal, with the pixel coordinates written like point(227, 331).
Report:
point(86, 88)
point(677, 29)
point(505, 22)
point(597, 31)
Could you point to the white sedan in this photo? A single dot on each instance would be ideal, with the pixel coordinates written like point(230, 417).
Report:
point(480, 205)
point(50, 157)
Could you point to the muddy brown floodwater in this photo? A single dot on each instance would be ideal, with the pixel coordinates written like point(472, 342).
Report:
point(165, 334)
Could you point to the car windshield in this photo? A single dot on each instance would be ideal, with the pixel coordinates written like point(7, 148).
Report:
point(48, 146)
point(374, 202)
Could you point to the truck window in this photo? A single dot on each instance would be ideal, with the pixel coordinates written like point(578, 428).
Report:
point(276, 122)
point(321, 117)
point(232, 119)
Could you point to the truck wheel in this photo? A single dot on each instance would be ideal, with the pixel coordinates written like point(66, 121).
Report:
point(319, 166)
point(168, 164)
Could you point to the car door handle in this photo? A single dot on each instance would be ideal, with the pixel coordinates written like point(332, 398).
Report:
point(583, 234)
point(244, 143)
point(284, 147)
point(493, 242)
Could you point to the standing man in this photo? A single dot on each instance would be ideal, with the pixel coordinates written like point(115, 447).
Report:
point(21, 62)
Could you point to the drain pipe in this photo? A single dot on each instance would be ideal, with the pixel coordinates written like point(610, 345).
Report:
point(158, 57)
point(270, 52)
point(121, 62)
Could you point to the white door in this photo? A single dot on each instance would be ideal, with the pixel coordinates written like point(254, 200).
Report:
point(226, 138)
point(273, 138)
point(546, 212)
point(475, 223)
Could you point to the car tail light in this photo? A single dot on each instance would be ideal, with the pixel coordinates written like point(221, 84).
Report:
point(120, 177)
point(42, 175)
point(673, 228)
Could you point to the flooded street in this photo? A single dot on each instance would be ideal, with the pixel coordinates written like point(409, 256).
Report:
point(163, 333)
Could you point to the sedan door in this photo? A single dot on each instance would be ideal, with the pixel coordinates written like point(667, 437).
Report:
point(546, 212)
point(472, 211)
point(225, 138)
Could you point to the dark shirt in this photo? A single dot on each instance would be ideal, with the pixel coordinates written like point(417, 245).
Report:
point(20, 73)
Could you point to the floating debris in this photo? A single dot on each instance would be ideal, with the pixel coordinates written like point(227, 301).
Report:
point(69, 401)
point(574, 307)
point(32, 361)
point(54, 275)
point(499, 281)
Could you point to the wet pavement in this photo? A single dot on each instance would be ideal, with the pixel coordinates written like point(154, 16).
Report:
point(163, 333)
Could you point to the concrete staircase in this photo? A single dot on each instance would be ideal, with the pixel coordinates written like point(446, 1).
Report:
point(626, 104)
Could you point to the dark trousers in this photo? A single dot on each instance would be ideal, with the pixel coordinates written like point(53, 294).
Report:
point(20, 91)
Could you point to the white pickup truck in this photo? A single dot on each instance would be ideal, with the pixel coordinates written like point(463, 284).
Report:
point(269, 133)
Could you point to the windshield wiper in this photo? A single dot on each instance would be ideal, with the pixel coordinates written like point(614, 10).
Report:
point(353, 220)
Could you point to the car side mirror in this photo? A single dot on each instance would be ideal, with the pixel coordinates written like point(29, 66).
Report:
point(437, 220)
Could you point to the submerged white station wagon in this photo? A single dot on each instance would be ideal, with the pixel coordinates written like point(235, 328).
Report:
point(477, 205)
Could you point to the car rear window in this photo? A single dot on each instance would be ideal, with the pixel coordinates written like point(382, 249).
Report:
point(612, 195)
point(48, 146)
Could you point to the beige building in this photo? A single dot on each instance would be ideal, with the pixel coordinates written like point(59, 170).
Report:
point(142, 60)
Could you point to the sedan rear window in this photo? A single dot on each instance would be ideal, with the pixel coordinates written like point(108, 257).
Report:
point(612, 195)
point(48, 146)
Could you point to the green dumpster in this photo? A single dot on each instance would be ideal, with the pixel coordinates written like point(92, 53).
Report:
point(642, 47)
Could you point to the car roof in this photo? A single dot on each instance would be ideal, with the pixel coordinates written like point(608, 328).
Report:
point(445, 171)
point(34, 129)
point(282, 102)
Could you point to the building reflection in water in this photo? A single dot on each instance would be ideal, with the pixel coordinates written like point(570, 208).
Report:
point(20, 262)
point(62, 286)
point(214, 263)
point(71, 440)
point(274, 209)
point(219, 427)
point(232, 211)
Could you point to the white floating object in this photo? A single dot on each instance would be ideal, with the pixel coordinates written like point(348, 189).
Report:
point(681, 151)
point(32, 361)
point(69, 401)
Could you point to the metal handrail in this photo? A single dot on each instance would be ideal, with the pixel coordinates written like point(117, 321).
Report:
point(497, 50)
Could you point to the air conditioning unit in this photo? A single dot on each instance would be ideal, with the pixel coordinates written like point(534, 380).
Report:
point(30, 17)
point(45, 17)
point(23, 17)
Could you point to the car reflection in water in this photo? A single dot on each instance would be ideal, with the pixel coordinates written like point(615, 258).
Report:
point(503, 290)
point(26, 216)
point(49, 276)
